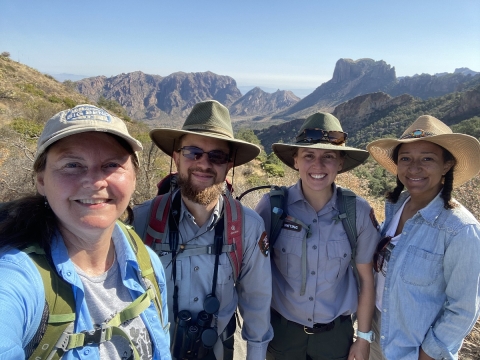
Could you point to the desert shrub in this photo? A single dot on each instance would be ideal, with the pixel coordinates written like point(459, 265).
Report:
point(27, 128)
point(115, 107)
point(5, 54)
point(50, 77)
point(55, 99)
point(31, 89)
point(69, 103)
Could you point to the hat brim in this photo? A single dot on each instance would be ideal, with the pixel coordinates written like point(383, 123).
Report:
point(353, 158)
point(465, 149)
point(168, 141)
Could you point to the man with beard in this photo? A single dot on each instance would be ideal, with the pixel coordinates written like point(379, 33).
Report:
point(203, 280)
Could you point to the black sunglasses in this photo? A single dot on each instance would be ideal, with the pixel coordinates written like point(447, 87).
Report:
point(313, 136)
point(379, 256)
point(217, 157)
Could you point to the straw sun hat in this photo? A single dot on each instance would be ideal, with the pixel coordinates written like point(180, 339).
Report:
point(210, 119)
point(317, 123)
point(465, 148)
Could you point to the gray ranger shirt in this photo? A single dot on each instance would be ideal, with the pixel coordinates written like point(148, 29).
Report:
point(331, 288)
point(194, 277)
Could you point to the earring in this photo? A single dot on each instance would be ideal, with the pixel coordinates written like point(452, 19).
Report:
point(46, 202)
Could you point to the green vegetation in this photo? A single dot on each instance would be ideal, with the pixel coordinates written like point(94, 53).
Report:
point(470, 127)
point(112, 105)
point(69, 103)
point(31, 89)
point(27, 128)
point(379, 180)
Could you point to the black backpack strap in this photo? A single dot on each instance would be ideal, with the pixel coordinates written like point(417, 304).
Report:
point(347, 204)
point(278, 201)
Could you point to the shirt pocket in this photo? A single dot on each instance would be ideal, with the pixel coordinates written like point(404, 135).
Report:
point(338, 258)
point(287, 254)
point(225, 274)
point(420, 267)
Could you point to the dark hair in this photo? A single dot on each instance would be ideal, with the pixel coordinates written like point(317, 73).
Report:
point(30, 219)
point(446, 194)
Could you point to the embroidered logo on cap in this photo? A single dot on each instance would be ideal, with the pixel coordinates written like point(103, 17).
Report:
point(88, 113)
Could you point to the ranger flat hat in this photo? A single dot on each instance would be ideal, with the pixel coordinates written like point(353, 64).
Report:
point(465, 148)
point(210, 119)
point(330, 137)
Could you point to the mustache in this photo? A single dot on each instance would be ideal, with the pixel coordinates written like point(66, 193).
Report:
point(200, 170)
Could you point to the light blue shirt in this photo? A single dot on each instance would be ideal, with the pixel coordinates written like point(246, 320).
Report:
point(22, 299)
point(431, 295)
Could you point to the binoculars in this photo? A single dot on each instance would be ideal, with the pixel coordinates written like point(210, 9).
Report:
point(193, 339)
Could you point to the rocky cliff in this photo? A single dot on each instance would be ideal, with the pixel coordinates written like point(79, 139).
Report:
point(257, 102)
point(353, 78)
point(161, 99)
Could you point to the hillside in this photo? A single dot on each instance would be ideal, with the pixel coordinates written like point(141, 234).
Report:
point(376, 115)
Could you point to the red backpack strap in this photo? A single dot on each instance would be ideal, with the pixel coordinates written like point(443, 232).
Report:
point(234, 232)
point(158, 221)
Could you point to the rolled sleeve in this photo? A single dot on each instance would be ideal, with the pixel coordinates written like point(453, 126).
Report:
point(462, 276)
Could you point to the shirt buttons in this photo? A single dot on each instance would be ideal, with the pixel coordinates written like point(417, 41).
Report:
point(196, 268)
point(196, 299)
point(283, 249)
point(310, 320)
point(384, 310)
point(313, 273)
point(345, 255)
point(382, 337)
point(314, 220)
point(314, 247)
point(86, 351)
point(69, 273)
point(310, 298)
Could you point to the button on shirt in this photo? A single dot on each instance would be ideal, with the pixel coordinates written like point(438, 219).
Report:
point(431, 294)
point(331, 288)
point(22, 299)
point(194, 277)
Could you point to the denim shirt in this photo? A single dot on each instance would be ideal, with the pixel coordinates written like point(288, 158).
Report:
point(22, 298)
point(431, 296)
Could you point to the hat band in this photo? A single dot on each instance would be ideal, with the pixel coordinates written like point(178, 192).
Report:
point(209, 129)
point(419, 133)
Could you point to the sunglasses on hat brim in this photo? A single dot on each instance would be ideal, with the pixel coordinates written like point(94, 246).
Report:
point(313, 136)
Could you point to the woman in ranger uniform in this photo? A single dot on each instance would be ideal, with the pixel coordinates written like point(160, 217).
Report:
point(315, 291)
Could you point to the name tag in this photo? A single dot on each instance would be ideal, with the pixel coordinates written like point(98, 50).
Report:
point(292, 226)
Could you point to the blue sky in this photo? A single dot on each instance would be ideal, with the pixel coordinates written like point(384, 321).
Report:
point(275, 44)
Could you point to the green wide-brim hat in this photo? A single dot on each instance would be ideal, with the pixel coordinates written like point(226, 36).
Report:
point(323, 121)
point(210, 119)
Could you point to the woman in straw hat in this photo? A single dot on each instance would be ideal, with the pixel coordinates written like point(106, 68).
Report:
point(427, 264)
point(65, 245)
point(314, 287)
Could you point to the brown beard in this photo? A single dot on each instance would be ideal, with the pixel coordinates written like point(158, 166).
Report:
point(200, 196)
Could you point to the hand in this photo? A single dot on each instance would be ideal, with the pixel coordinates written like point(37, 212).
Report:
point(360, 350)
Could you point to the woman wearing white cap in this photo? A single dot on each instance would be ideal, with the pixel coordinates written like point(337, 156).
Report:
point(76, 282)
point(427, 263)
point(315, 290)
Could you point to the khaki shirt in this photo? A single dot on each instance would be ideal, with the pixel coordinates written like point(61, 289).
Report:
point(194, 277)
point(331, 288)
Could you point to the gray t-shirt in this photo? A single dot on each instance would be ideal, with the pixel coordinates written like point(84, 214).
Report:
point(105, 296)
